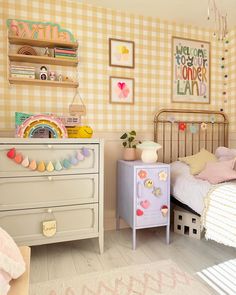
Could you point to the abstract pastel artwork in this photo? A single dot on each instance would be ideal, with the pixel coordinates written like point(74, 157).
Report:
point(121, 53)
point(121, 90)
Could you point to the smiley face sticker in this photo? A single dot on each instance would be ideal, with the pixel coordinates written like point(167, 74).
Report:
point(148, 183)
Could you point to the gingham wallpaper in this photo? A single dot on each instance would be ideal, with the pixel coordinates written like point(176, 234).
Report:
point(92, 27)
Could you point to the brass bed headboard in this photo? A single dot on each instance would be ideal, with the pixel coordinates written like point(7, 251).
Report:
point(180, 143)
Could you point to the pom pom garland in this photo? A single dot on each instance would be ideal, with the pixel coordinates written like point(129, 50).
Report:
point(42, 166)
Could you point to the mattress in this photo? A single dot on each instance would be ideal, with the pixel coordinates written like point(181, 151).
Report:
point(186, 188)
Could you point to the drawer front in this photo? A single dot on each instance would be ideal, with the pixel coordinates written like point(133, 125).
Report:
point(46, 191)
point(25, 226)
point(50, 153)
point(152, 193)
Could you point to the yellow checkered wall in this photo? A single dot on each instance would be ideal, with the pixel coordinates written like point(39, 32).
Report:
point(93, 26)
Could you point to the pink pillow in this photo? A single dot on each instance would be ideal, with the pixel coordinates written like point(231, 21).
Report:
point(217, 172)
point(12, 264)
point(224, 154)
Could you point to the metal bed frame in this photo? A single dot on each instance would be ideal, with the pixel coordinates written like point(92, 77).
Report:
point(180, 143)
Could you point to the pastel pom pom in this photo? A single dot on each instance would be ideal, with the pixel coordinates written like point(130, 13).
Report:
point(58, 166)
point(33, 165)
point(25, 162)
point(66, 164)
point(41, 167)
point(11, 153)
point(80, 156)
point(50, 167)
point(18, 158)
point(85, 152)
point(74, 161)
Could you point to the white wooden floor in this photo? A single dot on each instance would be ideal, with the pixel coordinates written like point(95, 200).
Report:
point(78, 257)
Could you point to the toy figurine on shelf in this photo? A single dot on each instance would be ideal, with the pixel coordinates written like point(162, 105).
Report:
point(67, 79)
point(52, 76)
point(47, 52)
point(59, 77)
point(43, 75)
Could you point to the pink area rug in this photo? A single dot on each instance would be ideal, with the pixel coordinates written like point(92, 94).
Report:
point(162, 277)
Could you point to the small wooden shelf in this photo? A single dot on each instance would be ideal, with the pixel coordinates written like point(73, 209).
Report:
point(42, 60)
point(41, 43)
point(23, 81)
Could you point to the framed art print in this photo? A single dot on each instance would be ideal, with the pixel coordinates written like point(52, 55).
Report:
point(121, 90)
point(190, 71)
point(121, 53)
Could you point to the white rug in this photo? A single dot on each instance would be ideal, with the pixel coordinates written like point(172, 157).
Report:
point(221, 277)
point(162, 277)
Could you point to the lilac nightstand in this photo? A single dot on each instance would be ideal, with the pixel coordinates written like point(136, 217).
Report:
point(143, 195)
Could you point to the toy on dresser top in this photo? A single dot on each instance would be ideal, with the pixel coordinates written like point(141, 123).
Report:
point(50, 126)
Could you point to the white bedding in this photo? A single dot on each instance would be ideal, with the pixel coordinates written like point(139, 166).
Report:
point(219, 216)
point(186, 188)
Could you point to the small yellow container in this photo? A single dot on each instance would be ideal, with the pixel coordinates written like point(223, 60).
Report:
point(73, 132)
point(79, 132)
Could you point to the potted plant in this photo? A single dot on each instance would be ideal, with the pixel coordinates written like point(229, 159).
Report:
point(129, 144)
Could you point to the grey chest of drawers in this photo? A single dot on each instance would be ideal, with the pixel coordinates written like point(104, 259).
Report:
point(71, 195)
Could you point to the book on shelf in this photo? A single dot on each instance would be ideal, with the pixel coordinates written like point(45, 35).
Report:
point(22, 67)
point(67, 57)
point(65, 51)
point(21, 71)
point(27, 76)
point(65, 48)
point(65, 54)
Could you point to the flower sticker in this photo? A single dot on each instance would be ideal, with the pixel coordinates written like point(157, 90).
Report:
point(204, 126)
point(182, 126)
point(142, 174)
point(163, 176)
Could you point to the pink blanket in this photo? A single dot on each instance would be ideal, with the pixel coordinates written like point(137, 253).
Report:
point(12, 264)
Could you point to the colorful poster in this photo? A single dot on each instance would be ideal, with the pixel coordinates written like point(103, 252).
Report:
point(190, 71)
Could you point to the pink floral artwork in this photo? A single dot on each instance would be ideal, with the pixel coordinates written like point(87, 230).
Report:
point(121, 90)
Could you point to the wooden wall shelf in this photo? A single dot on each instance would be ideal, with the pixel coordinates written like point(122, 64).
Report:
point(41, 43)
point(45, 60)
point(38, 82)
point(42, 60)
